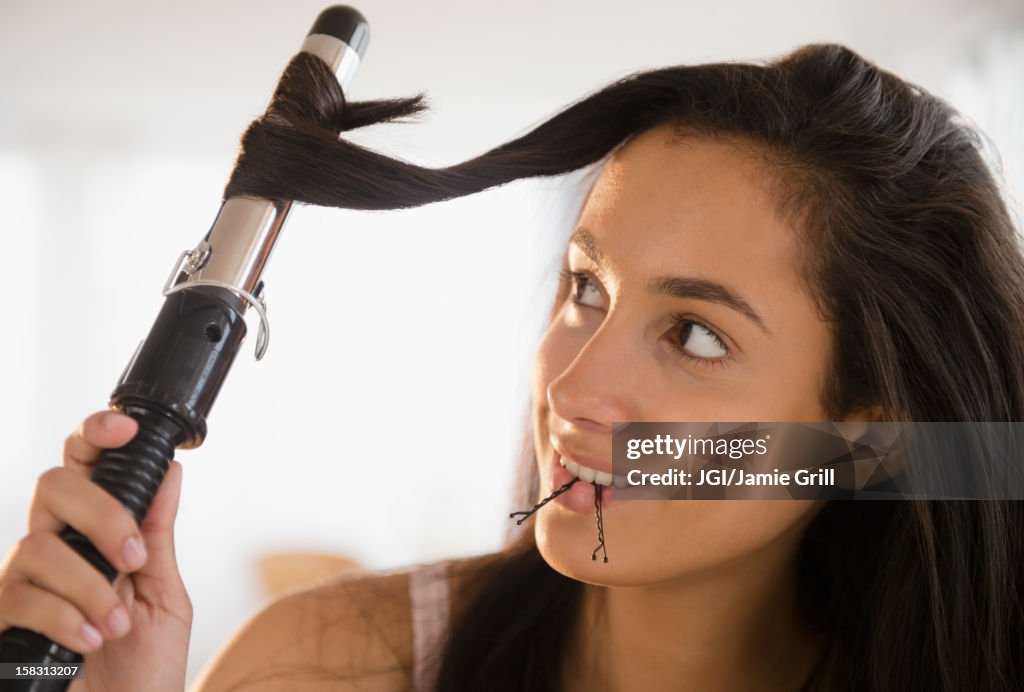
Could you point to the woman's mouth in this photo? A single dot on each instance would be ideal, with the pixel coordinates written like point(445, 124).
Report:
point(567, 490)
point(590, 475)
point(582, 496)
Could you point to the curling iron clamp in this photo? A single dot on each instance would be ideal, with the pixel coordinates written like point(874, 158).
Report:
point(173, 378)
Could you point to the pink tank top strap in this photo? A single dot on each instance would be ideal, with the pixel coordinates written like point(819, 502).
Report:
point(428, 593)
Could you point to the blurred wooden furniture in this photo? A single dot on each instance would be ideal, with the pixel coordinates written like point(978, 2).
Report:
point(286, 572)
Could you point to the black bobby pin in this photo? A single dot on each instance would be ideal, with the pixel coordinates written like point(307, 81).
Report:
point(543, 502)
point(600, 523)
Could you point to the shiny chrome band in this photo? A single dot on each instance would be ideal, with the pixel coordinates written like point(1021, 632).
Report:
point(343, 60)
point(241, 240)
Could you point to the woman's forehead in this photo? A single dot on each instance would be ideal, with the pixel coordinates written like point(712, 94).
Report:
point(695, 203)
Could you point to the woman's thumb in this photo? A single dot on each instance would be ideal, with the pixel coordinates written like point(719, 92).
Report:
point(158, 526)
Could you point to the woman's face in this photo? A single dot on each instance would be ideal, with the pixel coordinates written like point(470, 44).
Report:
point(683, 303)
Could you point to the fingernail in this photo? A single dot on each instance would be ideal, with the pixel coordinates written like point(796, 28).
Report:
point(117, 622)
point(134, 553)
point(110, 421)
point(91, 636)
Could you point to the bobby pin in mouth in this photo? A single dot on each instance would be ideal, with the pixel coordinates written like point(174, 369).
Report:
point(597, 510)
point(600, 524)
point(549, 498)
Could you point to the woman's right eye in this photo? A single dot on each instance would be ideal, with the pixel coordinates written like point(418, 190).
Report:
point(583, 290)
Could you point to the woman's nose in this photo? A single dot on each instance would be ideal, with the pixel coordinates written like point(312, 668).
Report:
point(598, 386)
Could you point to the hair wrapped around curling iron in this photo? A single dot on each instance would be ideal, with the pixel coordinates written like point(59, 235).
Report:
point(293, 152)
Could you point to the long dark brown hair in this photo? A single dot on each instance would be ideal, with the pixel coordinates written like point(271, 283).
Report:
point(913, 261)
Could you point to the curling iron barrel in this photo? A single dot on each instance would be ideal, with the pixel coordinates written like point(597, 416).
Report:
point(171, 382)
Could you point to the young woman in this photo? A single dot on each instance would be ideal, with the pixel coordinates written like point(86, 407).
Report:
point(809, 240)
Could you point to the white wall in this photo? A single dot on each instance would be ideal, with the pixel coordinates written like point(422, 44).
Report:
point(401, 341)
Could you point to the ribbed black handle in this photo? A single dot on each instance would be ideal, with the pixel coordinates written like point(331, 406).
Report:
point(133, 474)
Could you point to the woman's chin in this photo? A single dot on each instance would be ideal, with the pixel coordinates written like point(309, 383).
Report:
point(566, 540)
point(651, 542)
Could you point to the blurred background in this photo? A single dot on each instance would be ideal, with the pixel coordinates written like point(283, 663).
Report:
point(383, 426)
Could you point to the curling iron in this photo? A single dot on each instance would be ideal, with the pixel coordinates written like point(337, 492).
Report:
point(173, 378)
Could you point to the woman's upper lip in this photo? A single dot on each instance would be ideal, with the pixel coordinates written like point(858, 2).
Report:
point(596, 463)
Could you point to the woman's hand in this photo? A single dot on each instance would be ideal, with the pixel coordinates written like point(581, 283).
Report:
point(133, 633)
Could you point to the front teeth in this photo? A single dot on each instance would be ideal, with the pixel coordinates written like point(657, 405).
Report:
point(571, 466)
point(589, 475)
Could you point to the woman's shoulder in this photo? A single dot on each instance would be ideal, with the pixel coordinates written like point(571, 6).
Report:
point(354, 631)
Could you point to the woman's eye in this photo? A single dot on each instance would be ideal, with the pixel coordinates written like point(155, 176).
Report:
point(584, 291)
point(697, 341)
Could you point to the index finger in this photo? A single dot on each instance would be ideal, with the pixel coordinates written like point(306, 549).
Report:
point(102, 430)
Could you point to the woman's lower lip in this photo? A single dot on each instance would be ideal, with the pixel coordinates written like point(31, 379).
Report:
point(581, 496)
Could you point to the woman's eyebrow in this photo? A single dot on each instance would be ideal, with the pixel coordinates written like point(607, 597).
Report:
point(677, 286)
point(581, 237)
point(702, 289)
